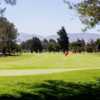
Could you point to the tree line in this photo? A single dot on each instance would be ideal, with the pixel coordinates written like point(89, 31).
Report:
point(9, 45)
point(82, 46)
point(36, 45)
point(89, 13)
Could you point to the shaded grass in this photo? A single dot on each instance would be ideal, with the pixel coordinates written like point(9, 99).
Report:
point(15, 85)
point(58, 90)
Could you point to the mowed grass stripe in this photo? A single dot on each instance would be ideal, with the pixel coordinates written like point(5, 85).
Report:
point(41, 71)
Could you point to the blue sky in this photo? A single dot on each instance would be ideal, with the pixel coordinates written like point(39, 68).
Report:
point(44, 17)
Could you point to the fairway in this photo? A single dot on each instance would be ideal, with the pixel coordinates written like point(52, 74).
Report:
point(20, 73)
point(50, 61)
point(42, 71)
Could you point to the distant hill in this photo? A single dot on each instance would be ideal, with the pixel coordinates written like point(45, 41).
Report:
point(72, 36)
point(86, 36)
point(26, 36)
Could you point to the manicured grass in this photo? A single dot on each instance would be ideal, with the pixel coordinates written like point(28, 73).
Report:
point(15, 85)
point(50, 60)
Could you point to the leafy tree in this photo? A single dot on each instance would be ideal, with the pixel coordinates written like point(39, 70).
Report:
point(2, 9)
point(8, 34)
point(12, 2)
point(45, 44)
point(89, 11)
point(63, 40)
point(77, 46)
point(32, 45)
point(53, 46)
point(36, 45)
point(26, 46)
point(91, 46)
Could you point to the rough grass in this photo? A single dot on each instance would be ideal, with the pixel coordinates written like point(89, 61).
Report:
point(50, 60)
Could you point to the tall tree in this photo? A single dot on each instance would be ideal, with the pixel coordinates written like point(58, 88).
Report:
point(63, 40)
point(8, 35)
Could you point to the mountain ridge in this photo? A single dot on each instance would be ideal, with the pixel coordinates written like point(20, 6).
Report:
point(72, 36)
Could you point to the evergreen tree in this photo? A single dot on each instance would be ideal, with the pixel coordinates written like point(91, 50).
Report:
point(63, 40)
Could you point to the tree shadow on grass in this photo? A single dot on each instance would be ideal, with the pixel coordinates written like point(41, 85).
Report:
point(59, 90)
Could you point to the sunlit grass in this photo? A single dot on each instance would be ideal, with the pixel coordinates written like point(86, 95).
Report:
point(14, 85)
point(50, 60)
